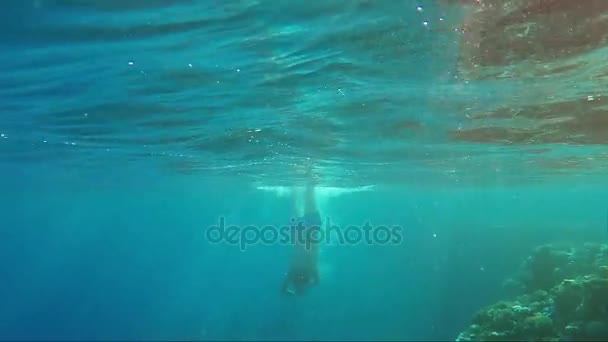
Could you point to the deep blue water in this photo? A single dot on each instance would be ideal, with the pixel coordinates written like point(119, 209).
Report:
point(126, 258)
point(130, 127)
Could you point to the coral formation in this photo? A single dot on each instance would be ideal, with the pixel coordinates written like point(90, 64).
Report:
point(561, 295)
point(531, 37)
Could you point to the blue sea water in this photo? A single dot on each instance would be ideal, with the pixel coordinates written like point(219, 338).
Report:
point(128, 128)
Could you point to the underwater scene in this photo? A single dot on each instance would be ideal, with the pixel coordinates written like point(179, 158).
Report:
point(339, 170)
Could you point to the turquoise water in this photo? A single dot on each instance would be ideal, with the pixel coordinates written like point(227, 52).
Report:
point(130, 127)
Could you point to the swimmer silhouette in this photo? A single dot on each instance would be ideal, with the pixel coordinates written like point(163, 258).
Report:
point(303, 269)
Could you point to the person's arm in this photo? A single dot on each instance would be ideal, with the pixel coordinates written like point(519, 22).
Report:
point(285, 285)
point(315, 277)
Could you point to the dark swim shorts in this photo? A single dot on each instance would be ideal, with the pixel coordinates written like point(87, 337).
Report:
point(311, 219)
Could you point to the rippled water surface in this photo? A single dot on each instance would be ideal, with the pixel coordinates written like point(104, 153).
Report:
point(130, 127)
point(369, 91)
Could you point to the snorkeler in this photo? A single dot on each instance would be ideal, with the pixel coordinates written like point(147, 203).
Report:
point(303, 270)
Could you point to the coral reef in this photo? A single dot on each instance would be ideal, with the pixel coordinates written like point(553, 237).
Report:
point(561, 294)
point(510, 38)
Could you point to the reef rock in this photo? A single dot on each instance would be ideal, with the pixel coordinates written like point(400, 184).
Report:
point(563, 295)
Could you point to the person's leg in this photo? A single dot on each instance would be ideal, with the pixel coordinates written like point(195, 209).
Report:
point(296, 203)
point(310, 203)
point(312, 217)
point(291, 283)
point(311, 212)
